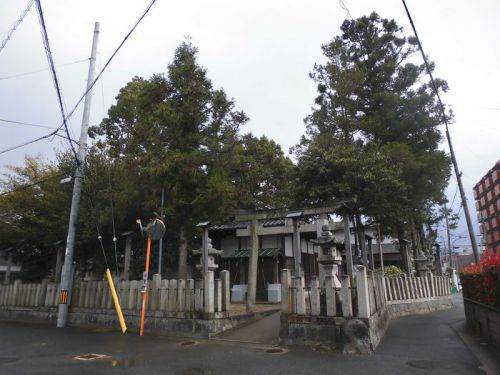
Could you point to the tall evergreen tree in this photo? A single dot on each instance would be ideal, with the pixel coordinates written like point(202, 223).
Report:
point(373, 131)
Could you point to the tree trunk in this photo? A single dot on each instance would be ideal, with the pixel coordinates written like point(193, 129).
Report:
point(182, 269)
point(403, 250)
point(414, 242)
point(361, 239)
point(356, 240)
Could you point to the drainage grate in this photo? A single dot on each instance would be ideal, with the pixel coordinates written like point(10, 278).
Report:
point(188, 343)
point(90, 357)
point(275, 351)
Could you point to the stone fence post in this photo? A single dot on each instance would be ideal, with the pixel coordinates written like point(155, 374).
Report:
point(362, 291)
point(226, 290)
point(286, 281)
point(208, 291)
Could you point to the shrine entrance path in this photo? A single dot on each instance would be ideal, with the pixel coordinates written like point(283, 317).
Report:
point(263, 331)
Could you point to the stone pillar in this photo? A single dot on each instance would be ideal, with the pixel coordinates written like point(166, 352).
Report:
point(297, 253)
point(300, 298)
point(314, 296)
point(286, 283)
point(331, 303)
point(218, 295)
point(252, 266)
point(226, 290)
point(128, 253)
point(323, 220)
point(7, 271)
point(346, 298)
point(362, 292)
point(208, 291)
point(348, 248)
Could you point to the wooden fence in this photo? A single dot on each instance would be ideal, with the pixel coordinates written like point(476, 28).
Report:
point(163, 295)
point(416, 288)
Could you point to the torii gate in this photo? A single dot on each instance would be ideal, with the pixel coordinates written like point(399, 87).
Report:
point(336, 206)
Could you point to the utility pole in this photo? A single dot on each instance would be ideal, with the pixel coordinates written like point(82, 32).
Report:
point(67, 279)
point(450, 249)
point(458, 174)
point(160, 244)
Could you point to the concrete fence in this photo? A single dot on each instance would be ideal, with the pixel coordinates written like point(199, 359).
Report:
point(163, 295)
point(367, 296)
point(416, 288)
point(354, 318)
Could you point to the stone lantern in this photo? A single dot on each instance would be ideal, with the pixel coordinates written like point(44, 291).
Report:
point(328, 255)
point(212, 252)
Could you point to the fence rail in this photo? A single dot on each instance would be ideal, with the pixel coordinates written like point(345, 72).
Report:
point(416, 288)
point(369, 295)
point(163, 295)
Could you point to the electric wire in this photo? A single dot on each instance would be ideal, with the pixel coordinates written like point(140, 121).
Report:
point(344, 7)
point(41, 70)
point(16, 24)
point(454, 196)
point(27, 186)
point(26, 124)
point(99, 236)
point(50, 60)
point(89, 88)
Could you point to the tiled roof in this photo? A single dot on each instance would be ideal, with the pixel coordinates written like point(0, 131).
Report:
point(245, 224)
point(243, 253)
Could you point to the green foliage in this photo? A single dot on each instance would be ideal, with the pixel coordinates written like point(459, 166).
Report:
point(34, 215)
point(373, 131)
point(393, 272)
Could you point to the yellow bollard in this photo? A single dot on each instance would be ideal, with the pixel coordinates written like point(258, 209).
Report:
point(117, 303)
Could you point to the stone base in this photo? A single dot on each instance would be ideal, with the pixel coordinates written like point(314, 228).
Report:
point(199, 325)
point(354, 335)
point(423, 306)
point(483, 320)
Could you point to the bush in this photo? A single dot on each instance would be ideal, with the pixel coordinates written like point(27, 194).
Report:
point(481, 282)
point(393, 272)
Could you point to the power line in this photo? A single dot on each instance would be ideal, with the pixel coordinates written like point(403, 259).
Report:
point(454, 196)
point(48, 52)
point(344, 7)
point(41, 70)
point(88, 89)
point(16, 24)
point(448, 137)
point(26, 124)
point(24, 187)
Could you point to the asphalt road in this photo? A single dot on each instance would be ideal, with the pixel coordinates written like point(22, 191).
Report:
point(422, 344)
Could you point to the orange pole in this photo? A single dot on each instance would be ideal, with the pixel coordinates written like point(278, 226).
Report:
point(145, 285)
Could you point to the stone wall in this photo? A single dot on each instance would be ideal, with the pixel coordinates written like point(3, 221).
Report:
point(411, 307)
point(484, 320)
point(187, 324)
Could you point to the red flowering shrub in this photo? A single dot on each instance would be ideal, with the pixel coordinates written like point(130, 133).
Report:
point(481, 282)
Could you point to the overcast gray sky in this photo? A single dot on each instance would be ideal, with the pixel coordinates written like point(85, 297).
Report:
point(260, 52)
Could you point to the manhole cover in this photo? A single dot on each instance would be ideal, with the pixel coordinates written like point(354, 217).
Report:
point(8, 359)
point(90, 357)
point(188, 343)
point(425, 364)
point(274, 351)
